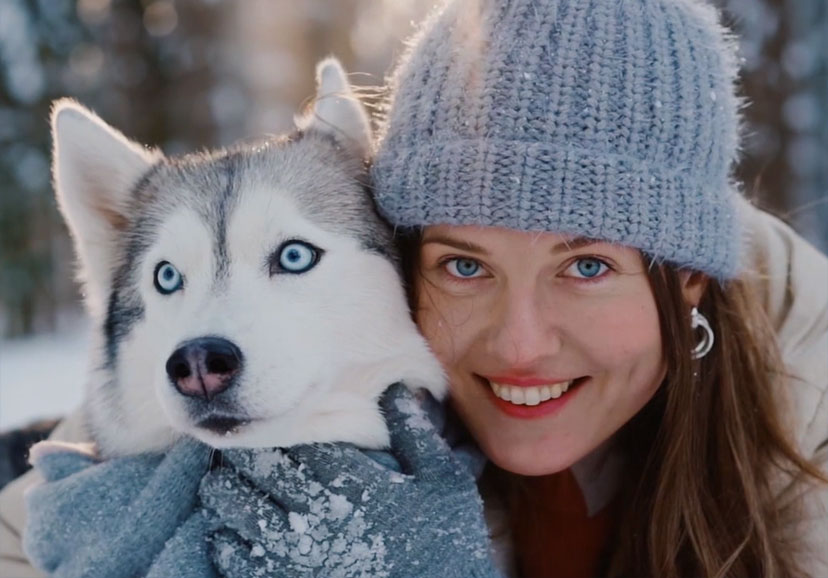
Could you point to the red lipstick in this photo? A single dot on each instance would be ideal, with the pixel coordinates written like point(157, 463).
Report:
point(522, 411)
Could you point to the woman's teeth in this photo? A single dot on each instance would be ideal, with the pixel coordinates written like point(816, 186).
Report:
point(529, 395)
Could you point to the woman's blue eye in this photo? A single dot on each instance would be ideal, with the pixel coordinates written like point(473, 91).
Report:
point(296, 257)
point(589, 268)
point(167, 278)
point(464, 268)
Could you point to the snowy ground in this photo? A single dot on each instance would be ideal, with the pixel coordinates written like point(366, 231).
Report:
point(43, 376)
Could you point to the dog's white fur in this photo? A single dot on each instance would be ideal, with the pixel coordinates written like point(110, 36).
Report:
point(319, 349)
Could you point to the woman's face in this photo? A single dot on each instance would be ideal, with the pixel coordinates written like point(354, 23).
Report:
point(551, 342)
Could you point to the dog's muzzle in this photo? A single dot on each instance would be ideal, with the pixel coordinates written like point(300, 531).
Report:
point(204, 367)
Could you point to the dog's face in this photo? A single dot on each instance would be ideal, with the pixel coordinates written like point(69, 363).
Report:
point(248, 297)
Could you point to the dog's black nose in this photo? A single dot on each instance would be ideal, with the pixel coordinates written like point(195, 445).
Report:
point(204, 367)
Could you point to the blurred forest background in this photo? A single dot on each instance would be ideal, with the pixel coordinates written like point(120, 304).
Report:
point(188, 74)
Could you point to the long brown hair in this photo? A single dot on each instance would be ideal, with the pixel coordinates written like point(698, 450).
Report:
point(712, 454)
point(711, 459)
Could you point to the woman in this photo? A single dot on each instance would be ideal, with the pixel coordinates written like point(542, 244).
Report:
point(616, 123)
point(575, 252)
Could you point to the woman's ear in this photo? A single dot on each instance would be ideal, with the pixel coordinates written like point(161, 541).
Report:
point(693, 286)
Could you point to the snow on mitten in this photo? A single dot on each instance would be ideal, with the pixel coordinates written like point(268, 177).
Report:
point(331, 510)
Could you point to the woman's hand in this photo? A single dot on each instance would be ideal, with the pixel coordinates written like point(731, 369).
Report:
point(114, 518)
point(332, 510)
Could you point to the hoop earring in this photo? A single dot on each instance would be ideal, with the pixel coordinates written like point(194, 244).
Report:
point(697, 320)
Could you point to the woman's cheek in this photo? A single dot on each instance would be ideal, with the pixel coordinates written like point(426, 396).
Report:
point(446, 321)
point(632, 348)
point(433, 326)
point(627, 322)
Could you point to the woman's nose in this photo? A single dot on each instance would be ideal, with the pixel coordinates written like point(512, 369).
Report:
point(523, 330)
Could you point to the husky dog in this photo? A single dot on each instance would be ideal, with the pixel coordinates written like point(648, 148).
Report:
point(248, 297)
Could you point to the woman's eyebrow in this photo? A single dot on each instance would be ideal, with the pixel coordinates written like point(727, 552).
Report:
point(456, 243)
point(572, 244)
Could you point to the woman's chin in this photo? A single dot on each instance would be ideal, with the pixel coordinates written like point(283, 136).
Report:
point(529, 459)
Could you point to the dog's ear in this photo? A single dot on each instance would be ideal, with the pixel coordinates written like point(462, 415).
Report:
point(94, 168)
point(337, 110)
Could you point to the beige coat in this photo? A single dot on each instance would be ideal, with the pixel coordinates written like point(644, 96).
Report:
point(795, 292)
point(793, 281)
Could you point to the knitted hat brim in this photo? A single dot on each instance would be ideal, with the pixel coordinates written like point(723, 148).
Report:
point(579, 188)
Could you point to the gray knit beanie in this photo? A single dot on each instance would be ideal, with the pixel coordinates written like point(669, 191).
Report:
point(610, 119)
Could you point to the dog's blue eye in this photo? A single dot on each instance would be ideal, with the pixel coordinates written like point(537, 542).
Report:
point(167, 278)
point(296, 257)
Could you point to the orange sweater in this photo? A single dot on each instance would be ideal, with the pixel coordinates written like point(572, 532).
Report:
point(553, 536)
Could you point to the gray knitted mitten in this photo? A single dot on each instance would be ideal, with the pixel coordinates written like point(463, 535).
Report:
point(121, 518)
point(333, 510)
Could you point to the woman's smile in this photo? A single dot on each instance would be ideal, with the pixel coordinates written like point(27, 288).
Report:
point(529, 398)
